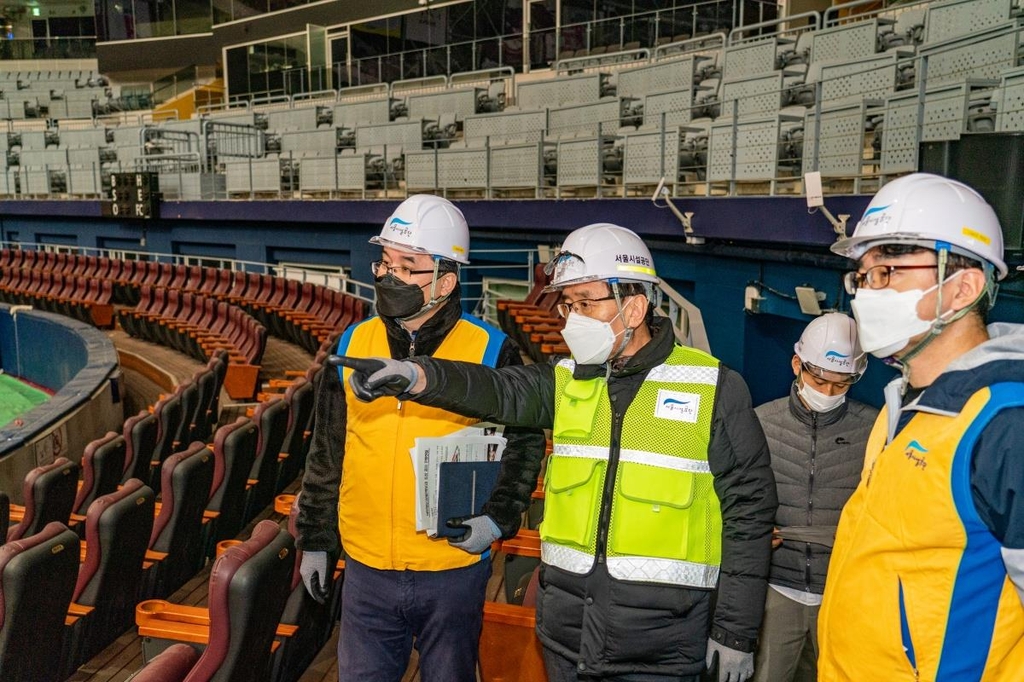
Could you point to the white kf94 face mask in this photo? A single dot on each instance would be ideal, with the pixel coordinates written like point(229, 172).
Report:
point(590, 341)
point(887, 319)
point(818, 401)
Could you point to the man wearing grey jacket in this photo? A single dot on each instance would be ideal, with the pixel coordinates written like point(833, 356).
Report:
point(816, 437)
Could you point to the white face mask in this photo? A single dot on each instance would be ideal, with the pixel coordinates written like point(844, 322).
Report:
point(818, 401)
point(590, 341)
point(887, 319)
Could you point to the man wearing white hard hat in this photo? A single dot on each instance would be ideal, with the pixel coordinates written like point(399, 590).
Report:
point(816, 436)
point(927, 574)
point(359, 480)
point(659, 489)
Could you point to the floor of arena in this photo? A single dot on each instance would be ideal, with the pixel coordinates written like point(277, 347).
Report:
point(16, 398)
point(123, 657)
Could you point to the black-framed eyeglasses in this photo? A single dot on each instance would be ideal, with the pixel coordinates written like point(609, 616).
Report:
point(399, 271)
point(877, 277)
point(584, 306)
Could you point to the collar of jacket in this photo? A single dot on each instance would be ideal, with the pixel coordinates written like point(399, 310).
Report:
point(430, 335)
point(651, 354)
point(805, 415)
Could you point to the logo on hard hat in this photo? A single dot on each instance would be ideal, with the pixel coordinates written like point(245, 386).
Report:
point(400, 226)
point(874, 217)
point(837, 358)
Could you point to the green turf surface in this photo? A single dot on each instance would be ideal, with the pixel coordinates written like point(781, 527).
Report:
point(17, 398)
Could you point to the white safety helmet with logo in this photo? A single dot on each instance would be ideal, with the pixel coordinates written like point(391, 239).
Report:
point(601, 251)
point(829, 343)
point(425, 223)
point(931, 211)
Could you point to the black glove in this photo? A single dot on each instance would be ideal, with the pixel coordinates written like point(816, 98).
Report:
point(314, 575)
point(374, 378)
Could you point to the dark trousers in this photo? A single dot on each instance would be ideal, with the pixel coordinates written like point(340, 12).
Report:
point(382, 611)
point(561, 669)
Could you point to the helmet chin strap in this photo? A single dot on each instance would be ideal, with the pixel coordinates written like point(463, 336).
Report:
point(434, 301)
point(938, 324)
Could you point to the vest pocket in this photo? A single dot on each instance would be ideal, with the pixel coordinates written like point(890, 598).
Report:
point(651, 510)
point(574, 417)
point(571, 500)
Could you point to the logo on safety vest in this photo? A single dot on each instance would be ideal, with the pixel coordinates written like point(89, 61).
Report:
point(678, 406)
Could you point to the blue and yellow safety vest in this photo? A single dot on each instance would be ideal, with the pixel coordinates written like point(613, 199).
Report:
point(917, 588)
point(376, 506)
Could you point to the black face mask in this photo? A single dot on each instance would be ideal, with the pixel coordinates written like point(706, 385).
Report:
point(397, 299)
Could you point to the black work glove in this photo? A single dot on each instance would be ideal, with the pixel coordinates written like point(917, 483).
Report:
point(374, 378)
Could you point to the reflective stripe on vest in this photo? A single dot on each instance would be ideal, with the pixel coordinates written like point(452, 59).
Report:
point(665, 522)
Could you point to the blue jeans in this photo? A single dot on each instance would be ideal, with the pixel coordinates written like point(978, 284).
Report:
point(381, 612)
point(561, 669)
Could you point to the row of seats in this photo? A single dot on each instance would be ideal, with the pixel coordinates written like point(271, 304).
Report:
point(83, 298)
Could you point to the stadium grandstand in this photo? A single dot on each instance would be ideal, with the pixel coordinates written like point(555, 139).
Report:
point(188, 187)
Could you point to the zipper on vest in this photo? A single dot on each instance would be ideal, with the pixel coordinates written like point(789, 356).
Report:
point(810, 497)
point(609, 485)
point(412, 352)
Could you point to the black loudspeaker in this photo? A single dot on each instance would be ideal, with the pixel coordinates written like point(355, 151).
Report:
point(993, 164)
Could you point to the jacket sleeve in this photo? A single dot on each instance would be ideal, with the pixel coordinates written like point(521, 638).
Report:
point(520, 465)
point(741, 466)
point(317, 522)
point(518, 395)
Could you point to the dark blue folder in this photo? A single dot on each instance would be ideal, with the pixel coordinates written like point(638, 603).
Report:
point(462, 490)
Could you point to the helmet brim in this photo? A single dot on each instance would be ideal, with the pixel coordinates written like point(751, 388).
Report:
point(855, 247)
point(384, 242)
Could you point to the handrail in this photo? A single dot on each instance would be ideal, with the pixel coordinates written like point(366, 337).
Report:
point(699, 43)
point(324, 94)
point(426, 82)
point(598, 60)
point(816, 24)
point(492, 74)
point(831, 14)
point(364, 92)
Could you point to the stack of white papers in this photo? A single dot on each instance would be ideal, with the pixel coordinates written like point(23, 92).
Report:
point(481, 442)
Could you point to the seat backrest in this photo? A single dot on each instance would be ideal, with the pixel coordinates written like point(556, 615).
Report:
point(189, 394)
point(170, 665)
point(140, 442)
point(37, 576)
point(300, 397)
point(271, 419)
point(102, 466)
point(177, 530)
point(234, 449)
point(117, 530)
point(249, 584)
point(169, 415)
point(49, 494)
point(206, 381)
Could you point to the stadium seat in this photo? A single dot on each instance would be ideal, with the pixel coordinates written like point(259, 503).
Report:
point(177, 530)
point(271, 418)
point(248, 588)
point(173, 664)
point(140, 432)
point(37, 578)
point(49, 494)
point(300, 399)
point(234, 450)
point(117, 531)
point(103, 463)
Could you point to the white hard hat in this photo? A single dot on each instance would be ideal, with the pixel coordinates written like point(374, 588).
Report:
point(830, 343)
point(425, 223)
point(601, 251)
point(929, 210)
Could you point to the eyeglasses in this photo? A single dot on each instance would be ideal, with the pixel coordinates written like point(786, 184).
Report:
point(399, 271)
point(877, 277)
point(819, 374)
point(584, 306)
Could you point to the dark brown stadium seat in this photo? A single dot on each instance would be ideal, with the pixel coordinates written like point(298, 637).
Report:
point(37, 577)
point(102, 467)
point(249, 585)
point(117, 531)
point(171, 665)
point(140, 434)
point(49, 494)
point(234, 451)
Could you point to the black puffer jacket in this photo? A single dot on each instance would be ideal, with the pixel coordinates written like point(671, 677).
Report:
point(817, 458)
point(318, 506)
point(614, 627)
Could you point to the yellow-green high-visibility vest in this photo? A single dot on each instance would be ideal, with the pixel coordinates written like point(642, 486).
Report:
point(666, 520)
